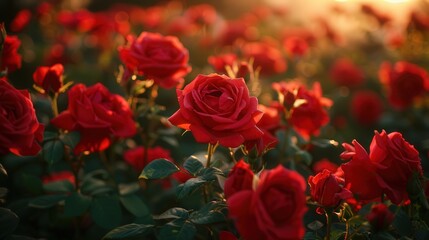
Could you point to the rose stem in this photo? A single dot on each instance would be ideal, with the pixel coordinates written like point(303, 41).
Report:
point(54, 105)
point(328, 214)
point(151, 102)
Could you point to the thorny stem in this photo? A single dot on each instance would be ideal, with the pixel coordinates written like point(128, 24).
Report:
point(328, 214)
point(210, 151)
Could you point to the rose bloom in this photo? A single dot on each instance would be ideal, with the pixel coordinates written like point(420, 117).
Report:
point(327, 189)
point(240, 178)
point(218, 109)
point(160, 58)
point(265, 57)
point(21, 20)
point(396, 160)
point(387, 168)
point(405, 82)
point(324, 163)
point(307, 107)
point(345, 73)
point(366, 107)
point(274, 210)
point(220, 62)
point(296, 46)
point(380, 217)
point(20, 131)
point(97, 115)
point(10, 58)
point(135, 156)
point(235, 30)
point(49, 78)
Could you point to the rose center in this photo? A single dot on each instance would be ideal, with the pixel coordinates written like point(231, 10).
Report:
point(279, 205)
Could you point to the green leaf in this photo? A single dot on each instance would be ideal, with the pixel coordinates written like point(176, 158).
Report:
point(193, 165)
point(63, 186)
point(8, 222)
point(129, 232)
point(53, 151)
point(31, 184)
point(158, 169)
point(185, 189)
point(46, 201)
point(134, 205)
point(402, 222)
point(209, 174)
point(178, 229)
point(106, 211)
point(383, 236)
point(76, 204)
point(173, 213)
point(209, 213)
point(48, 136)
point(128, 188)
point(71, 139)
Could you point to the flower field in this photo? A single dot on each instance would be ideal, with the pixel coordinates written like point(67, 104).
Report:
point(210, 120)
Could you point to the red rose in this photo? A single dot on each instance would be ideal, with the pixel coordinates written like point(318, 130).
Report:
point(380, 217)
point(366, 107)
point(387, 168)
point(327, 189)
point(274, 210)
point(202, 14)
point(295, 46)
point(218, 109)
point(235, 30)
point(10, 58)
point(21, 20)
point(265, 57)
point(345, 73)
point(405, 82)
point(20, 131)
point(324, 164)
point(240, 178)
point(307, 107)
point(49, 78)
point(365, 186)
point(220, 62)
point(163, 59)
point(395, 160)
point(135, 156)
point(97, 114)
point(419, 21)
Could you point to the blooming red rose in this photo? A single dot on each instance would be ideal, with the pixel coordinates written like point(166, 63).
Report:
point(224, 235)
point(405, 82)
point(274, 210)
point(235, 30)
point(49, 78)
point(220, 62)
point(307, 107)
point(20, 131)
point(269, 123)
point(380, 217)
point(21, 20)
point(240, 178)
point(366, 107)
point(161, 58)
point(218, 109)
point(345, 73)
point(265, 57)
point(359, 173)
point(135, 156)
point(327, 189)
point(97, 114)
point(387, 168)
point(295, 46)
point(396, 160)
point(10, 59)
point(324, 164)
point(202, 14)
point(59, 176)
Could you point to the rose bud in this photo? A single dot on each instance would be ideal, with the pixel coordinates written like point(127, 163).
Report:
point(380, 217)
point(49, 78)
point(240, 178)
